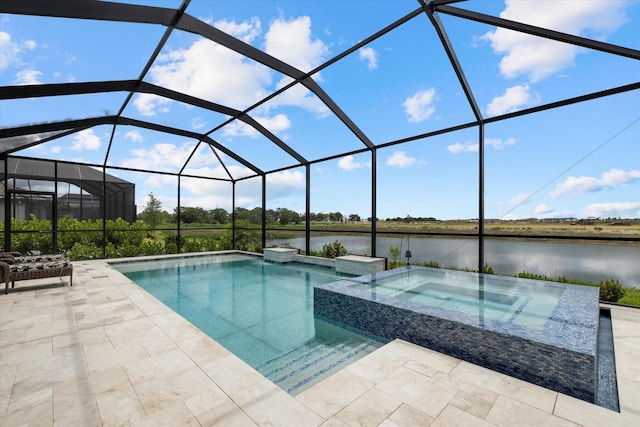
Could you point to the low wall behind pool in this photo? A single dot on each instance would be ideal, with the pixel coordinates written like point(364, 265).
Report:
point(559, 353)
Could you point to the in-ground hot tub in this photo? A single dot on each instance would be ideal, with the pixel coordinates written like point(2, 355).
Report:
point(542, 332)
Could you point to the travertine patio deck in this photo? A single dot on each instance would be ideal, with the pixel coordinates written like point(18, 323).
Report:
point(105, 352)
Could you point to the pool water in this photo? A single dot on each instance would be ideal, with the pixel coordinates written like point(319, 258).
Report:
point(521, 302)
point(260, 311)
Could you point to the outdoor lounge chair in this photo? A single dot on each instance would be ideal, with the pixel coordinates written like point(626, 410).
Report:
point(18, 268)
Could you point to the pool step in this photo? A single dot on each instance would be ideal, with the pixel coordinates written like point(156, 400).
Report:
point(307, 364)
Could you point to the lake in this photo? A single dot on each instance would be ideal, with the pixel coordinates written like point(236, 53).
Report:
point(507, 257)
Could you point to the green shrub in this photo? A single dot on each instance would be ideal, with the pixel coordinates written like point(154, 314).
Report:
point(394, 254)
point(333, 250)
point(611, 290)
point(488, 269)
point(26, 235)
point(432, 264)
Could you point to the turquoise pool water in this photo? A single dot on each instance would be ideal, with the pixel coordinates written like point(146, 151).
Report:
point(260, 311)
point(508, 300)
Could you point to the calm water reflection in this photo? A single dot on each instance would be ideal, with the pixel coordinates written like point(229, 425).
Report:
point(579, 261)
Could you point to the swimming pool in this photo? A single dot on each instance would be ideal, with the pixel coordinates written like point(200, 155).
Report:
point(524, 303)
point(260, 311)
point(542, 332)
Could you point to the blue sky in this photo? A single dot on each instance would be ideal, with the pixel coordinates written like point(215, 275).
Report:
point(576, 161)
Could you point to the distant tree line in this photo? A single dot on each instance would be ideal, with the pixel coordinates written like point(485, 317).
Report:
point(153, 215)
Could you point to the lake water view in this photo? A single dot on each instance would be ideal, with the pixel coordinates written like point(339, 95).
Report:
point(507, 257)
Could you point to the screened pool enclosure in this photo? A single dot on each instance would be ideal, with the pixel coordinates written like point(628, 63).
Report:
point(487, 113)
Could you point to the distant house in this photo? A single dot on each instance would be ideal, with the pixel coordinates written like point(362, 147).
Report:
point(30, 186)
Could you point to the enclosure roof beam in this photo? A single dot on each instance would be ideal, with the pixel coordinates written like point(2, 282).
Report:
point(453, 58)
point(193, 25)
point(60, 89)
point(540, 32)
point(156, 15)
point(116, 120)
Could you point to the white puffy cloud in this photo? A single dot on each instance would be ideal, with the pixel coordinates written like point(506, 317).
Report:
point(246, 31)
point(85, 140)
point(617, 210)
point(134, 136)
point(30, 44)
point(400, 159)
point(513, 99)
point(537, 58)
point(291, 41)
point(210, 194)
point(463, 147)
point(348, 163)
point(370, 56)
point(198, 123)
point(519, 199)
point(298, 96)
point(543, 209)
point(499, 144)
point(474, 147)
point(419, 107)
point(238, 82)
point(275, 124)
point(28, 77)
point(160, 156)
point(285, 183)
point(146, 103)
point(9, 50)
point(286, 178)
point(587, 184)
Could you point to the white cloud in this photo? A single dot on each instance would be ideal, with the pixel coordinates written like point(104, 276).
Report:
point(86, 140)
point(275, 124)
point(537, 58)
point(587, 184)
point(474, 147)
point(285, 183)
point(463, 147)
point(30, 44)
point(298, 96)
point(370, 56)
point(146, 103)
point(160, 156)
point(197, 123)
point(210, 194)
point(348, 163)
point(513, 99)
point(286, 178)
point(239, 128)
point(9, 50)
point(499, 144)
point(419, 107)
point(617, 210)
point(246, 31)
point(291, 41)
point(238, 82)
point(28, 77)
point(543, 209)
point(134, 136)
point(400, 159)
point(519, 199)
